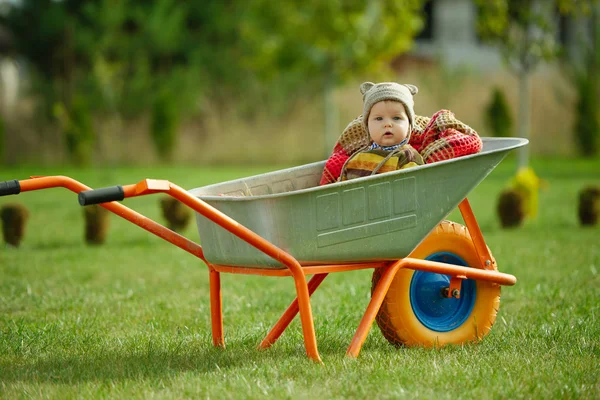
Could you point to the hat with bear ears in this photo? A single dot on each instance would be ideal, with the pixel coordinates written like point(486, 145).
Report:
point(374, 93)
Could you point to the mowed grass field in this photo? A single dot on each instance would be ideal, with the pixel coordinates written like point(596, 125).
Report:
point(131, 318)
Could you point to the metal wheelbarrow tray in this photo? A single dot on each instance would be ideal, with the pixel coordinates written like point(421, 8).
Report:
point(382, 217)
point(283, 224)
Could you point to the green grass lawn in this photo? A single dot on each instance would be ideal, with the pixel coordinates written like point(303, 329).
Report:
point(131, 318)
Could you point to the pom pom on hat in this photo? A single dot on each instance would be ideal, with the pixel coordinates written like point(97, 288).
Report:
point(375, 92)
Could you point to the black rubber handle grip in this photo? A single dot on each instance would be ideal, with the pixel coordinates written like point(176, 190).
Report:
point(103, 195)
point(10, 187)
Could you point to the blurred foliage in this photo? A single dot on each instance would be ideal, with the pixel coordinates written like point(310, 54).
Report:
point(177, 214)
point(588, 210)
point(77, 129)
point(528, 185)
point(498, 116)
point(584, 7)
point(125, 55)
point(96, 223)
point(163, 126)
point(120, 53)
point(2, 139)
point(14, 218)
point(525, 30)
point(318, 39)
point(510, 208)
point(586, 80)
point(222, 48)
point(587, 118)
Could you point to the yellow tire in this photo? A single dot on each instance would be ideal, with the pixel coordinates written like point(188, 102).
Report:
point(414, 312)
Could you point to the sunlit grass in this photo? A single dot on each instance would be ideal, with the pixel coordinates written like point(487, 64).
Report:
point(131, 318)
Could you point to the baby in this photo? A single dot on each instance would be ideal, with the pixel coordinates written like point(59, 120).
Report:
point(388, 115)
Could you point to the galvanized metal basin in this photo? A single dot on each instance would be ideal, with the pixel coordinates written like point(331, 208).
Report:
point(381, 217)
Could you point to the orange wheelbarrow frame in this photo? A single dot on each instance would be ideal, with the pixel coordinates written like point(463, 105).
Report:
point(484, 271)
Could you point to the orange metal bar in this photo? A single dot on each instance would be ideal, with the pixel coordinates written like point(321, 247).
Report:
point(148, 186)
point(216, 308)
point(421, 265)
point(373, 308)
point(485, 257)
point(289, 314)
point(308, 270)
point(411, 263)
point(455, 286)
point(457, 270)
point(122, 211)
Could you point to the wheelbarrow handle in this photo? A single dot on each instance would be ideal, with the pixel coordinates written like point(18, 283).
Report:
point(102, 195)
point(10, 187)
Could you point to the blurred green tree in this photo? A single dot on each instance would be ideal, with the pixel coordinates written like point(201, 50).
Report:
point(124, 56)
point(111, 55)
point(77, 129)
point(586, 80)
point(54, 55)
point(320, 44)
point(2, 140)
point(143, 63)
point(525, 32)
point(498, 116)
point(163, 126)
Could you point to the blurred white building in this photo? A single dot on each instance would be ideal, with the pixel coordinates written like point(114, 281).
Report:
point(450, 35)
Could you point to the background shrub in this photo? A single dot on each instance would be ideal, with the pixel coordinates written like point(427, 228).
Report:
point(96, 224)
point(510, 208)
point(14, 218)
point(589, 205)
point(177, 214)
point(587, 115)
point(2, 136)
point(498, 117)
point(586, 79)
point(164, 124)
point(77, 129)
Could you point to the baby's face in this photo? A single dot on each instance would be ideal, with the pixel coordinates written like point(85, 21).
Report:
point(388, 123)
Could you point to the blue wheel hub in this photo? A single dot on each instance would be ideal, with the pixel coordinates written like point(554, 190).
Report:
point(435, 311)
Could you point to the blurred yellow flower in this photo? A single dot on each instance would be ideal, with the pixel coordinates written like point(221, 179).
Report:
point(528, 184)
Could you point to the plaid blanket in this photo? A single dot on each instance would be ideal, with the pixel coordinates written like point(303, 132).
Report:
point(441, 137)
point(376, 161)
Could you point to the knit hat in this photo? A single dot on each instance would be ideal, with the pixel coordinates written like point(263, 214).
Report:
point(374, 93)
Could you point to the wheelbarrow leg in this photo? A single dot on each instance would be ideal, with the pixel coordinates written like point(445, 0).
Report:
point(373, 308)
point(306, 318)
point(216, 308)
point(289, 314)
point(483, 253)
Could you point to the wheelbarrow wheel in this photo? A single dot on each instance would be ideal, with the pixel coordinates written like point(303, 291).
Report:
point(414, 311)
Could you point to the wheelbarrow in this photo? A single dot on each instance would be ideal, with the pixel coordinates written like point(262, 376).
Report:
point(435, 282)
